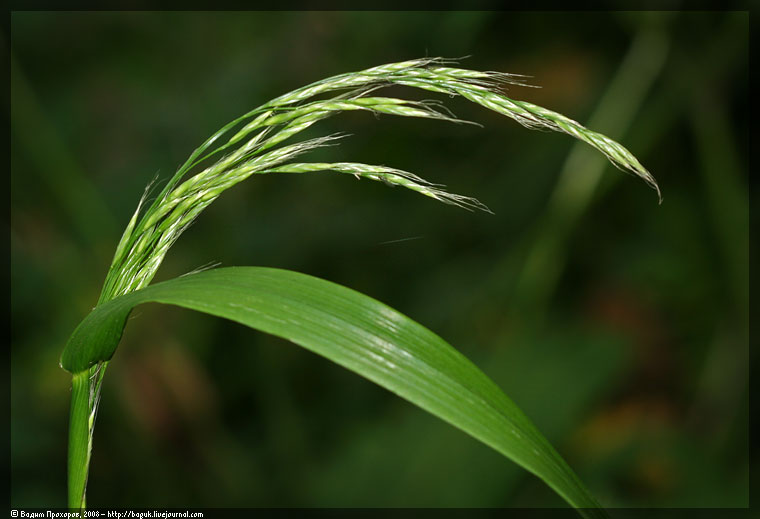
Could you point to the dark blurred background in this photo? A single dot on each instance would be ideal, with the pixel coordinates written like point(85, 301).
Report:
point(619, 325)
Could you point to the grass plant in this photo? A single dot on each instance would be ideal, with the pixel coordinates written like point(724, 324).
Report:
point(349, 328)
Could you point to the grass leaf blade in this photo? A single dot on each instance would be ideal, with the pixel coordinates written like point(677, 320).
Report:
point(356, 332)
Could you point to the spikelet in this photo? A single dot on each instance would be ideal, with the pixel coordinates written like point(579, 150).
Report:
point(257, 147)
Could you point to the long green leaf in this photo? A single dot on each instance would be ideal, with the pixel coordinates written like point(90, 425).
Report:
point(356, 332)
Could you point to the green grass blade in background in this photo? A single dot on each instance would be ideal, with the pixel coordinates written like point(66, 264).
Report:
point(357, 332)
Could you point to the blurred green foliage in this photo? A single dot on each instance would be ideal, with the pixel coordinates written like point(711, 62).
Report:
point(619, 326)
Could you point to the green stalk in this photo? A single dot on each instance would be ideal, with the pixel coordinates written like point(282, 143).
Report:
point(85, 395)
point(79, 451)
